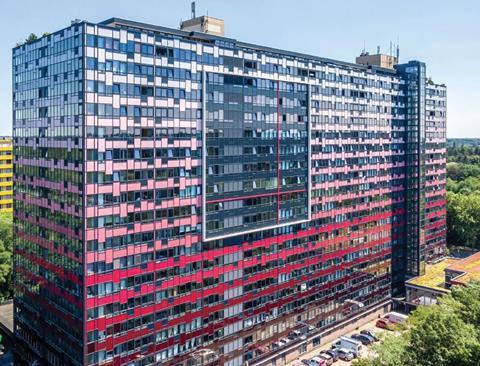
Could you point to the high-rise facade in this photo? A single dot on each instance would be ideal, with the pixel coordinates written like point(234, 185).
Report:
point(6, 175)
point(183, 198)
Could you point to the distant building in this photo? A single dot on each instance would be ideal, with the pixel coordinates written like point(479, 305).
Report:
point(184, 198)
point(6, 174)
point(439, 277)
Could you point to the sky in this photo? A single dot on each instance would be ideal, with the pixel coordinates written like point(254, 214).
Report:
point(444, 34)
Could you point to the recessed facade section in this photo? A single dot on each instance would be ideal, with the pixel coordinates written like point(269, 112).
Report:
point(256, 154)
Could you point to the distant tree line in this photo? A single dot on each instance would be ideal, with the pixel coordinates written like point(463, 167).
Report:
point(457, 142)
point(6, 248)
point(463, 196)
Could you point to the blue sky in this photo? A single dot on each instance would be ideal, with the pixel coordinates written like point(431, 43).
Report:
point(444, 34)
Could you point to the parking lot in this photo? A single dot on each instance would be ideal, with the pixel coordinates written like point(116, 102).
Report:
point(365, 349)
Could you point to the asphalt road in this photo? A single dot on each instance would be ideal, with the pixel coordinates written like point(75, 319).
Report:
point(370, 325)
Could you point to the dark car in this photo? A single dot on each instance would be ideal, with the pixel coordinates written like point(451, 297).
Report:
point(365, 339)
point(332, 353)
point(308, 362)
point(370, 334)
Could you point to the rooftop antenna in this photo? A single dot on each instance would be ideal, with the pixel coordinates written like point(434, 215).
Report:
point(398, 50)
point(378, 49)
point(193, 9)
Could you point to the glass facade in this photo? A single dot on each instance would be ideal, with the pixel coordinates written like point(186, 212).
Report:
point(257, 153)
point(435, 170)
point(414, 89)
point(188, 199)
point(48, 206)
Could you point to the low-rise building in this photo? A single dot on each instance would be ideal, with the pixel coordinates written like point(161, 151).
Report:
point(439, 277)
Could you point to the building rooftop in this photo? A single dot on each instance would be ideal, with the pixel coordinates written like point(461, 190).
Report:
point(449, 271)
point(468, 269)
point(434, 276)
point(209, 37)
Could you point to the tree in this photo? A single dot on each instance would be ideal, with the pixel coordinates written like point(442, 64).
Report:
point(32, 37)
point(441, 337)
point(465, 301)
point(463, 219)
point(391, 351)
point(446, 334)
point(6, 248)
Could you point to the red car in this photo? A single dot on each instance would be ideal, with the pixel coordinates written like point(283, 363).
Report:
point(384, 324)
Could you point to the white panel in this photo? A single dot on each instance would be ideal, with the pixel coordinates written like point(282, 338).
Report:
point(90, 52)
point(105, 32)
point(123, 36)
point(101, 55)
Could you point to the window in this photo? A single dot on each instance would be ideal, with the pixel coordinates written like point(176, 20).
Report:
point(43, 92)
point(91, 63)
point(42, 112)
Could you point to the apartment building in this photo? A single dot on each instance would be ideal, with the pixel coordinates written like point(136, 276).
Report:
point(6, 174)
point(184, 198)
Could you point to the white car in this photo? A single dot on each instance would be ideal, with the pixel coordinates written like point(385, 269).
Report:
point(345, 354)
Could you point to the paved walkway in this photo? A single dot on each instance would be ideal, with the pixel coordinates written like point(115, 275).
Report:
point(6, 316)
point(6, 328)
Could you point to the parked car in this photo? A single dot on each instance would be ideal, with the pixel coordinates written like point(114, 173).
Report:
point(345, 354)
point(349, 344)
point(333, 353)
point(285, 340)
point(365, 339)
point(317, 361)
point(305, 328)
point(384, 324)
point(396, 318)
point(276, 345)
point(328, 359)
point(296, 334)
point(297, 363)
point(308, 363)
point(369, 333)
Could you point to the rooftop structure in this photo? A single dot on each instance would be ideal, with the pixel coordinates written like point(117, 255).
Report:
point(434, 276)
point(204, 24)
point(463, 271)
point(379, 59)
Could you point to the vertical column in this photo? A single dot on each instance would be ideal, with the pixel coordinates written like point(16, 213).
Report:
point(204, 154)
point(414, 90)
